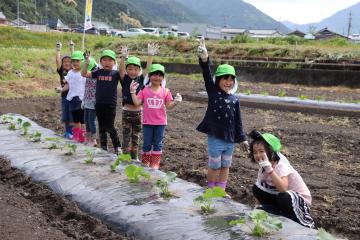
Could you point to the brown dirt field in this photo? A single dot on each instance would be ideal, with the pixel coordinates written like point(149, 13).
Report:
point(323, 148)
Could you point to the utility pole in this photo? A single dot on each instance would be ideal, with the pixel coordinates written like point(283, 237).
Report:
point(225, 17)
point(349, 25)
point(18, 12)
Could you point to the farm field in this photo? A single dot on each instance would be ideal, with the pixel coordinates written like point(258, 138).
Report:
point(322, 148)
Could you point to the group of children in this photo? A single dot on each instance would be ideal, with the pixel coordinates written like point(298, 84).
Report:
point(91, 88)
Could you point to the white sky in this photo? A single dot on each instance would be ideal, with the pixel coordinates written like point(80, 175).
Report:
point(301, 11)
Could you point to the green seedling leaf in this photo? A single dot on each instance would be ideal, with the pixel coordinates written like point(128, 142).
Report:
point(12, 127)
point(206, 200)
point(163, 184)
point(324, 235)
point(282, 93)
point(264, 93)
point(303, 97)
point(121, 159)
point(19, 121)
point(36, 136)
point(238, 221)
point(25, 126)
point(54, 139)
point(53, 146)
point(6, 119)
point(215, 192)
point(258, 231)
point(258, 215)
point(134, 173)
point(71, 149)
point(90, 156)
point(248, 92)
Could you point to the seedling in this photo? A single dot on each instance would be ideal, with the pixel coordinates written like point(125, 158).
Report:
point(122, 158)
point(36, 136)
point(6, 119)
point(206, 200)
point(57, 140)
point(71, 149)
point(53, 146)
point(25, 126)
point(303, 97)
point(282, 93)
point(264, 93)
point(134, 173)
point(262, 224)
point(19, 121)
point(248, 92)
point(163, 184)
point(12, 127)
point(324, 235)
point(319, 98)
point(90, 156)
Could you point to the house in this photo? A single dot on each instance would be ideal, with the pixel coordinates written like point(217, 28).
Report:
point(207, 31)
point(57, 24)
point(3, 20)
point(325, 34)
point(263, 33)
point(297, 33)
point(19, 22)
point(230, 33)
point(103, 27)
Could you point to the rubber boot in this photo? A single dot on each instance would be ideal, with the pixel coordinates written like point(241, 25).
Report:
point(76, 134)
point(81, 135)
point(155, 160)
point(146, 158)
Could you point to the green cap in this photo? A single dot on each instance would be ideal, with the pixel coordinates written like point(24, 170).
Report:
point(91, 65)
point(108, 53)
point(134, 61)
point(77, 55)
point(225, 69)
point(157, 68)
point(273, 141)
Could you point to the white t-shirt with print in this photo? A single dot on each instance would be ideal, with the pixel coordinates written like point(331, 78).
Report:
point(283, 168)
point(76, 85)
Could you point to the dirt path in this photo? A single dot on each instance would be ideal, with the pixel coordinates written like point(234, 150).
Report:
point(324, 149)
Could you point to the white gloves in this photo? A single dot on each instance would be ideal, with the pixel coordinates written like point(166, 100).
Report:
point(244, 146)
point(58, 46)
point(71, 45)
point(153, 49)
point(58, 89)
point(178, 98)
point(133, 86)
point(87, 56)
point(202, 51)
point(266, 164)
point(124, 52)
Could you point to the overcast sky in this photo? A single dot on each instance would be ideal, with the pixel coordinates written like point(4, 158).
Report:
point(301, 11)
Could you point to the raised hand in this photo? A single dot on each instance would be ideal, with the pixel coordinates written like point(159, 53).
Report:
point(266, 164)
point(87, 56)
point(124, 52)
point(244, 145)
point(133, 86)
point(71, 45)
point(178, 98)
point(153, 49)
point(58, 46)
point(202, 51)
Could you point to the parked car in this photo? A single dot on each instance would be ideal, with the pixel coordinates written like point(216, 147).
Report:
point(89, 31)
point(152, 31)
point(168, 34)
point(183, 34)
point(131, 32)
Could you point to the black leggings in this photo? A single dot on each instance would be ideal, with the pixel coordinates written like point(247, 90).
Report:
point(280, 204)
point(106, 117)
point(78, 116)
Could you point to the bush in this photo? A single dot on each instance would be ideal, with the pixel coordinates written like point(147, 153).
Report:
point(242, 38)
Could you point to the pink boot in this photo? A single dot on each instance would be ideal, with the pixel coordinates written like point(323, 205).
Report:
point(76, 134)
point(146, 158)
point(81, 135)
point(155, 159)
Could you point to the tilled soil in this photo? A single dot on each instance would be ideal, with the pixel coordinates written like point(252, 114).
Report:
point(323, 148)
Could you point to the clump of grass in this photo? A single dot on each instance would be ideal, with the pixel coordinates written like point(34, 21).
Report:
point(282, 93)
point(303, 97)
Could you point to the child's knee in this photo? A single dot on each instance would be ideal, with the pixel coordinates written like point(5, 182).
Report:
point(226, 161)
point(214, 162)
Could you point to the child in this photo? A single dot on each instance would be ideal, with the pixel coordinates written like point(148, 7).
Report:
point(131, 115)
point(89, 106)
point(279, 187)
point(63, 66)
point(222, 122)
point(76, 86)
point(107, 81)
point(156, 99)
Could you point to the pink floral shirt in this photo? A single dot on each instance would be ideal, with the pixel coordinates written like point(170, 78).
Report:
point(154, 109)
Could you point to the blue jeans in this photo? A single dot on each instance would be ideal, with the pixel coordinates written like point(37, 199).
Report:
point(153, 138)
point(66, 116)
point(90, 116)
point(220, 153)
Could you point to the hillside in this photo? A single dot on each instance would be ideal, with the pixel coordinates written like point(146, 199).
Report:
point(337, 22)
point(235, 13)
point(147, 11)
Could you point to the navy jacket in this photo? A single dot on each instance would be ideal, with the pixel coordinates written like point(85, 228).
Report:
point(106, 86)
point(222, 118)
point(125, 84)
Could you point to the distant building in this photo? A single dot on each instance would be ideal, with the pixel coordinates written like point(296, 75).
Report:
point(263, 33)
point(102, 27)
point(296, 33)
point(309, 36)
point(57, 24)
point(194, 29)
point(230, 33)
point(18, 22)
point(325, 34)
point(3, 20)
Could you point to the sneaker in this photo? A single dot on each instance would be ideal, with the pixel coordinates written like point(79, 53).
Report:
point(68, 135)
point(118, 151)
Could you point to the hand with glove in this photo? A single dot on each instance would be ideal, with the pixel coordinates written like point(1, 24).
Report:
point(71, 46)
point(266, 164)
point(58, 89)
point(124, 52)
point(58, 46)
point(87, 56)
point(133, 86)
point(178, 98)
point(153, 49)
point(244, 145)
point(202, 51)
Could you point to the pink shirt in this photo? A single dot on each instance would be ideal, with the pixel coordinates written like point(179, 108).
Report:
point(282, 169)
point(154, 109)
